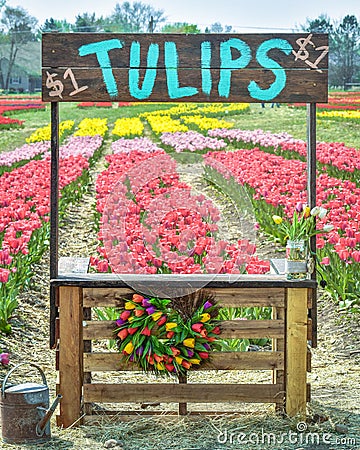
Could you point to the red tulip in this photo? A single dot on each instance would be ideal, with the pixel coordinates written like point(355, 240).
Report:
point(197, 327)
point(146, 331)
point(132, 330)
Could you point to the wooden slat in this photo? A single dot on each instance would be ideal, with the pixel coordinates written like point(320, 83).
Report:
point(179, 282)
point(103, 362)
point(296, 352)
point(231, 297)
point(302, 85)
point(188, 48)
point(70, 354)
point(110, 416)
point(181, 393)
point(230, 329)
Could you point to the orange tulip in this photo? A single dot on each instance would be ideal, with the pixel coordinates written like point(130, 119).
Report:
point(139, 312)
point(123, 333)
point(186, 364)
point(137, 298)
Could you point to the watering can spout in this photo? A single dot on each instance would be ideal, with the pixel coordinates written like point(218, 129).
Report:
point(40, 427)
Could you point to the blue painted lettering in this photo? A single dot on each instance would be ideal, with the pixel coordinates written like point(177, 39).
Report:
point(206, 80)
point(171, 67)
point(280, 75)
point(227, 64)
point(101, 49)
point(150, 73)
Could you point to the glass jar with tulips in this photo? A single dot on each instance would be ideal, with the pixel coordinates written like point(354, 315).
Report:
point(297, 232)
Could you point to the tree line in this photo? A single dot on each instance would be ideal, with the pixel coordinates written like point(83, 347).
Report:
point(18, 27)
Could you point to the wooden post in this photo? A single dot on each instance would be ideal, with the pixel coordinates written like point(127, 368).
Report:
point(70, 354)
point(311, 198)
point(54, 217)
point(183, 406)
point(296, 351)
point(278, 345)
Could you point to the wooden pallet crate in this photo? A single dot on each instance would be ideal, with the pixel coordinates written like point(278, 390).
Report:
point(288, 361)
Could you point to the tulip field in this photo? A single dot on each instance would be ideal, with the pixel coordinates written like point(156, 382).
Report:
point(140, 146)
point(184, 189)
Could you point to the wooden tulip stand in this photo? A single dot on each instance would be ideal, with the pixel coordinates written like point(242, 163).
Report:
point(181, 68)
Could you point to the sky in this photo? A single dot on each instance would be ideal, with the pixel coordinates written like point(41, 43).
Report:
point(250, 16)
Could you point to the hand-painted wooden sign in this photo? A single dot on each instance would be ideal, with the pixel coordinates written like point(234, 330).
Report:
point(184, 68)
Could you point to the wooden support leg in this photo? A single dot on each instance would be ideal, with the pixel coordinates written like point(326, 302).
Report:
point(183, 406)
point(278, 345)
point(70, 354)
point(296, 351)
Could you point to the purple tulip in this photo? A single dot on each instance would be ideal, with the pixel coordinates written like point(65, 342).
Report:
point(140, 350)
point(120, 322)
point(299, 207)
point(146, 303)
point(207, 305)
point(190, 353)
point(150, 310)
point(206, 346)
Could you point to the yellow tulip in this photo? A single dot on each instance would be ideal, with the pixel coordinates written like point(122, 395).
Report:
point(194, 361)
point(178, 360)
point(205, 317)
point(189, 342)
point(131, 318)
point(129, 348)
point(156, 316)
point(170, 325)
point(129, 305)
point(160, 366)
point(307, 211)
point(277, 219)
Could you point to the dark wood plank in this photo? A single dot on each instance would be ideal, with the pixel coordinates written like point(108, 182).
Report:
point(146, 282)
point(107, 361)
point(302, 85)
point(188, 48)
point(181, 393)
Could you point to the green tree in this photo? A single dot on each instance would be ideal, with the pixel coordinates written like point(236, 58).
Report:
point(19, 28)
point(135, 18)
point(344, 47)
point(218, 28)
point(180, 27)
point(62, 26)
point(345, 52)
point(86, 23)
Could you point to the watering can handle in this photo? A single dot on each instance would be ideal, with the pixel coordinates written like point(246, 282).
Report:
point(16, 367)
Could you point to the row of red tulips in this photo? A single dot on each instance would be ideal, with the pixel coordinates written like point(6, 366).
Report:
point(8, 105)
point(277, 185)
point(24, 216)
point(151, 223)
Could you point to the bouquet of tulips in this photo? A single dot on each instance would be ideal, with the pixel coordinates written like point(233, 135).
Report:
point(158, 337)
point(303, 223)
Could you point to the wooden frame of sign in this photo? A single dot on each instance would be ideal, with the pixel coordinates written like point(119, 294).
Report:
point(202, 68)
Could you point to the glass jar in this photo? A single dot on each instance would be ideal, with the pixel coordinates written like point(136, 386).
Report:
point(296, 260)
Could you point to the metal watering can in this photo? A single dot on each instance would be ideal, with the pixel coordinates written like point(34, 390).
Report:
point(25, 412)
